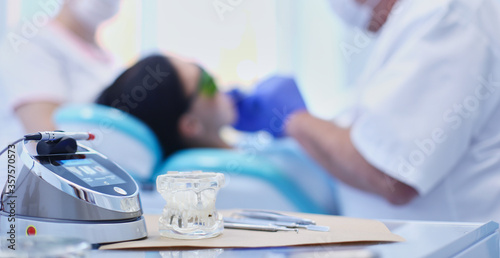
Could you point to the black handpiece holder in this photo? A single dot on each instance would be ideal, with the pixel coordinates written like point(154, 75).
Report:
point(64, 145)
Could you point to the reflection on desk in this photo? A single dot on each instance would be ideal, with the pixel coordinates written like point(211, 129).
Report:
point(424, 239)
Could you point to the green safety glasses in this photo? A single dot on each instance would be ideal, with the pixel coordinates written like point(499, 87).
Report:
point(206, 85)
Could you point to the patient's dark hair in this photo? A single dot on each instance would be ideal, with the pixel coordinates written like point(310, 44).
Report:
point(151, 91)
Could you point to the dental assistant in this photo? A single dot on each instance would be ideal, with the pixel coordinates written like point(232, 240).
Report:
point(62, 63)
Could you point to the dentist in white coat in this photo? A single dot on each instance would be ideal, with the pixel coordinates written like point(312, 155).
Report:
point(424, 141)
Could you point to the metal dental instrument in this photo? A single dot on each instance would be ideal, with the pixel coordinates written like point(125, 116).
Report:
point(278, 223)
point(274, 216)
point(268, 228)
point(74, 193)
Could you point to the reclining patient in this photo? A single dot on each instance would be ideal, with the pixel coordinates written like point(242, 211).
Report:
point(180, 102)
point(177, 100)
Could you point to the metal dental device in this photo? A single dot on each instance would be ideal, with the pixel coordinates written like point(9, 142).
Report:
point(62, 188)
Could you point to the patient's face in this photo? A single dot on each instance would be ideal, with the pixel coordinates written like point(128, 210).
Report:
point(214, 111)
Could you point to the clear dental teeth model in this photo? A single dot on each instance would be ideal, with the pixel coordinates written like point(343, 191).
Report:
point(190, 210)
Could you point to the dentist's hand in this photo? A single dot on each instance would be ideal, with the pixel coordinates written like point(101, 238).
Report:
point(268, 107)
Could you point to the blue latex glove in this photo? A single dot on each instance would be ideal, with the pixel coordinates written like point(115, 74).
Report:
point(268, 107)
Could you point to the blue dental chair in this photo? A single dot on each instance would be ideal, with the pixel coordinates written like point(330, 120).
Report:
point(119, 135)
point(254, 180)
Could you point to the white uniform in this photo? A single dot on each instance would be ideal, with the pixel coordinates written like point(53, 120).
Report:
point(53, 66)
point(429, 112)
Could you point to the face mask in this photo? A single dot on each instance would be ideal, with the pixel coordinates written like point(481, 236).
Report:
point(91, 13)
point(354, 13)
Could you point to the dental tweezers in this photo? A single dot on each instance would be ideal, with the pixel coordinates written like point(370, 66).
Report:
point(274, 216)
point(259, 227)
point(278, 223)
point(278, 219)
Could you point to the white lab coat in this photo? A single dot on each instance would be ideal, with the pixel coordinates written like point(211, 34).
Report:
point(428, 113)
point(52, 66)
